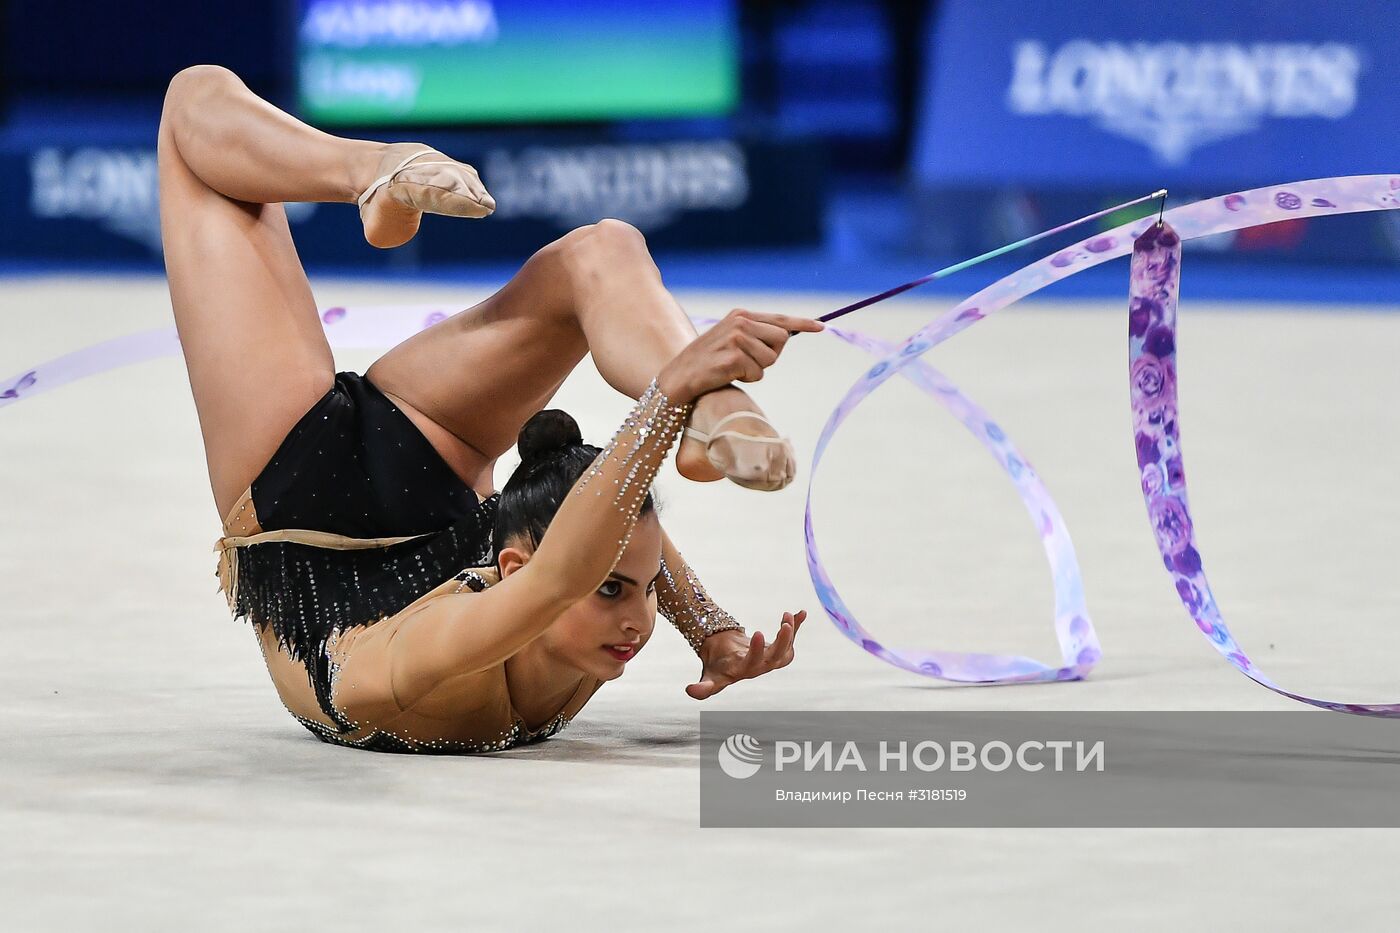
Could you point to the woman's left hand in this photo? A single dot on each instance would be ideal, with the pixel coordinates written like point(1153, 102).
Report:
point(731, 656)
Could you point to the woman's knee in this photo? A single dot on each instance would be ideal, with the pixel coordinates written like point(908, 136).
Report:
point(615, 235)
point(606, 246)
point(192, 85)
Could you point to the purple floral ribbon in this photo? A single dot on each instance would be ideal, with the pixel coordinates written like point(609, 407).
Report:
point(1319, 197)
point(1152, 301)
point(1153, 387)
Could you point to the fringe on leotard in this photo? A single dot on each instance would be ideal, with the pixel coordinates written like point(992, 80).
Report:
point(308, 585)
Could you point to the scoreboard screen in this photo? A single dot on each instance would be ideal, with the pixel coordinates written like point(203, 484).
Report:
point(463, 61)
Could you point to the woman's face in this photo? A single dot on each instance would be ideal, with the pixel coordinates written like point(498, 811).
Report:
point(604, 631)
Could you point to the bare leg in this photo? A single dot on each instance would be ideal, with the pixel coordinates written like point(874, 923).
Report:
point(482, 373)
point(248, 150)
point(256, 354)
point(253, 344)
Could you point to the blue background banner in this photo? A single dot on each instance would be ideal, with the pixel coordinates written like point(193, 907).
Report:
point(97, 200)
point(1197, 93)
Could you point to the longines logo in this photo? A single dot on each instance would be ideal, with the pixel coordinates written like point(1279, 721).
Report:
point(1175, 97)
point(115, 188)
point(647, 184)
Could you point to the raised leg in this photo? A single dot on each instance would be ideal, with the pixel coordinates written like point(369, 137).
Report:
point(253, 344)
point(256, 354)
point(481, 374)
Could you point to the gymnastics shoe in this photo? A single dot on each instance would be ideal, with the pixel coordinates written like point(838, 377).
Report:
point(763, 462)
point(393, 205)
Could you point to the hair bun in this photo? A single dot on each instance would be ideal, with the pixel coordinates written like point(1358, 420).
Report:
point(547, 432)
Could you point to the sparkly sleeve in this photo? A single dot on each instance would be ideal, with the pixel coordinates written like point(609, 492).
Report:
point(682, 599)
point(594, 523)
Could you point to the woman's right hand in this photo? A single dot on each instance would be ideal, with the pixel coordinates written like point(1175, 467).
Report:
point(737, 349)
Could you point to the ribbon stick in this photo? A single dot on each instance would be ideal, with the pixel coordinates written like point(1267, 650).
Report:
point(990, 254)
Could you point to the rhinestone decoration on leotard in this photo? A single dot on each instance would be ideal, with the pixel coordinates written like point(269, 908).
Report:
point(470, 580)
point(639, 447)
point(384, 741)
point(687, 606)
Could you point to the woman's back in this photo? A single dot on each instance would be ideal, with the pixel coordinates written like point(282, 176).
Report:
point(471, 712)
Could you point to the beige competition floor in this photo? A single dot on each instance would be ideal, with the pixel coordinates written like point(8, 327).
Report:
point(150, 780)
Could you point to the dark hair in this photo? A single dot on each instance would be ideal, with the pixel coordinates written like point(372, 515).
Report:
point(552, 458)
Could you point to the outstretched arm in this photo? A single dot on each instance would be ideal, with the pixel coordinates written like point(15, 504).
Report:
point(726, 653)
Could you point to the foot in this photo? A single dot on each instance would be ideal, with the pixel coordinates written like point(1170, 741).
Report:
point(431, 183)
point(752, 464)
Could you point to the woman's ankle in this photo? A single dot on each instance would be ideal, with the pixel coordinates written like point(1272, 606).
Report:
point(712, 406)
point(363, 161)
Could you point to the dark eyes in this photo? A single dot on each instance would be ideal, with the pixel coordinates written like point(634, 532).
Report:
point(612, 589)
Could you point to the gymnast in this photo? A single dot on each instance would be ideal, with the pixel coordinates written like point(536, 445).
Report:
point(401, 603)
